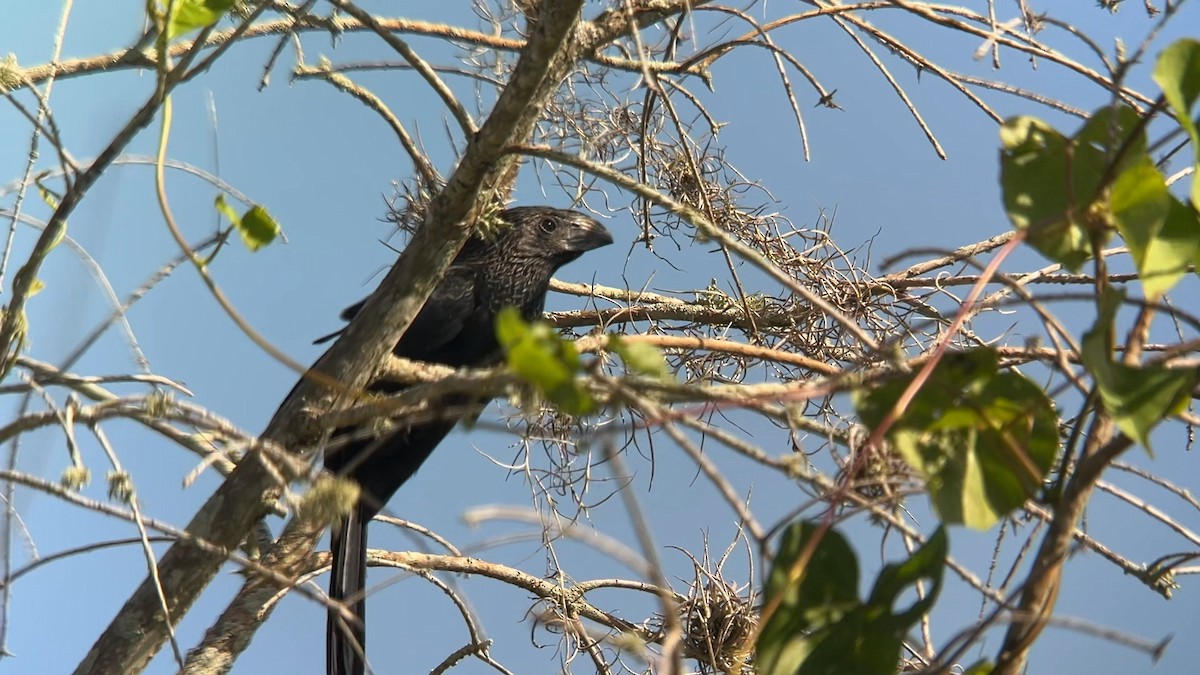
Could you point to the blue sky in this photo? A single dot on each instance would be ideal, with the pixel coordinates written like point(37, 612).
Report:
point(323, 164)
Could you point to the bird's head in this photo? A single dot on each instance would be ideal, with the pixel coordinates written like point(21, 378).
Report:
point(558, 235)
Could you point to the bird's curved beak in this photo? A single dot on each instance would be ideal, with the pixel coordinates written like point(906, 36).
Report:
point(587, 234)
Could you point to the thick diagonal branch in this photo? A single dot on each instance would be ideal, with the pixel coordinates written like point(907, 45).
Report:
point(1040, 593)
point(138, 630)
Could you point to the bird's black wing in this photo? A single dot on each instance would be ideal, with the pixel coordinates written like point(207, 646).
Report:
point(438, 323)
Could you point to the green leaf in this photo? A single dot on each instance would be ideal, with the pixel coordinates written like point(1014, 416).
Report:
point(189, 15)
point(1033, 171)
point(257, 228)
point(1178, 73)
point(1052, 185)
point(1139, 201)
point(641, 357)
point(819, 627)
point(1106, 132)
point(1167, 255)
point(1138, 397)
point(49, 197)
point(927, 563)
point(226, 210)
point(814, 593)
point(542, 358)
point(826, 584)
point(983, 439)
point(538, 362)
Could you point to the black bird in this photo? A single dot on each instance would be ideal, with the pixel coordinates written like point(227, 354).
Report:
point(457, 328)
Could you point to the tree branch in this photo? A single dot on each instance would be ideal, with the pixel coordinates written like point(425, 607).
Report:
point(484, 171)
point(1041, 585)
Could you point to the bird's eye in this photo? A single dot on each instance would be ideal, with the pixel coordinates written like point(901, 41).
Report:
point(549, 225)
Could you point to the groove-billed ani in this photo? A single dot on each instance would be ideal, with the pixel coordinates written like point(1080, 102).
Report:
point(456, 327)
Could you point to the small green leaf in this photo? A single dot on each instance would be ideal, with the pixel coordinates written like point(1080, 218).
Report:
point(1178, 73)
point(641, 357)
point(927, 563)
point(984, 667)
point(1166, 257)
point(226, 210)
point(510, 327)
point(537, 363)
point(188, 15)
point(1138, 397)
point(983, 439)
point(1139, 201)
point(257, 228)
point(542, 358)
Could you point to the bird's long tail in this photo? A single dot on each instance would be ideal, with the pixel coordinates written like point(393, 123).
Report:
point(345, 640)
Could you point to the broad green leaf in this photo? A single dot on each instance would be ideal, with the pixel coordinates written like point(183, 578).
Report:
point(820, 627)
point(1107, 132)
point(1166, 257)
point(1053, 186)
point(815, 593)
point(980, 668)
point(188, 15)
point(641, 358)
point(1033, 171)
point(983, 439)
point(537, 364)
point(1191, 218)
point(1139, 201)
point(1032, 149)
point(257, 227)
point(1109, 135)
point(1178, 73)
point(1138, 397)
point(825, 585)
point(541, 361)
